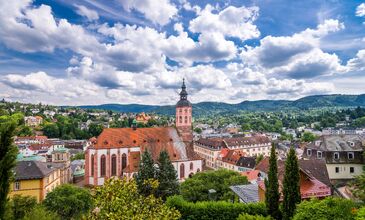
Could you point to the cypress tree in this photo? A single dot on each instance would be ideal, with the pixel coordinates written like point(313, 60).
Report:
point(166, 176)
point(146, 172)
point(272, 194)
point(291, 187)
point(8, 152)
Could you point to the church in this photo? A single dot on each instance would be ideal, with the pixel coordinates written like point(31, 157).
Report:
point(116, 152)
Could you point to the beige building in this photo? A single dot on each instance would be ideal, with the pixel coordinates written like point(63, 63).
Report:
point(35, 178)
point(33, 121)
point(209, 148)
point(343, 155)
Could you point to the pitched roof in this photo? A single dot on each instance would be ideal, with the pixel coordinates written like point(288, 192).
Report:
point(249, 162)
point(153, 139)
point(247, 193)
point(251, 174)
point(217, 143)
point(32, 170)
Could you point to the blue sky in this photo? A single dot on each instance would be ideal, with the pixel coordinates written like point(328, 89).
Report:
point(137, 51)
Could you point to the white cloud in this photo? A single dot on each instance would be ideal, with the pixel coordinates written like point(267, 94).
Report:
point(158, 12)
point(39, 81)
point(360, 10)
point(90, 14)
point(357, 63)
point(230, 22)
point(296, 56)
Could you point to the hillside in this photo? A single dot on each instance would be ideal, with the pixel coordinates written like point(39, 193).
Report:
point(317, 101)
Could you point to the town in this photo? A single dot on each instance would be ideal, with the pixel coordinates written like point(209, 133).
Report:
point(329, 160)
point(182, 110)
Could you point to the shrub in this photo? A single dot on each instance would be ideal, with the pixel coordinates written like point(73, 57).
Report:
point(214, 209)
point(253, 217)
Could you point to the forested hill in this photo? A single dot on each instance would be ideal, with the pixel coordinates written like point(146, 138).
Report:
point(317, 101)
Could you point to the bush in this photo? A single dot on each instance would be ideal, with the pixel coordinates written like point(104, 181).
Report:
point(329, 208)
point(196, 188)
point(360, 214)
point(253, 217)
point(214, 210)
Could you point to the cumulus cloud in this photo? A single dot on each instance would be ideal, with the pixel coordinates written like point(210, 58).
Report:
point(158, 12)
point(360, 10)
point(357, 63)
point(90, 14)
point(297, 56)
point(231, 22)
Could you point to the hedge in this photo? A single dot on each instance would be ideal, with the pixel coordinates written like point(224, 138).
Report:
point(214, 209)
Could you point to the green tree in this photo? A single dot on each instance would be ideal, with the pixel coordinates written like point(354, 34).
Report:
point(21, 205)
point(308, 137)
point(329, 208)
point(69, 201)
point(78, 156)
point(291, 187)
point(24, 131)
point(119, 199)
point(8, 153)
point(259, 158)
point(51, 130)
point(146, 172)
point(95, 129)
point(40, 213)
point(272, 194)
point(198, 130)
point(197, 187)
point(166, 176)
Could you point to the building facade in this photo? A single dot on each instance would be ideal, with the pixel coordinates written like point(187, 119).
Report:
point(343, 155)
point(116, 152)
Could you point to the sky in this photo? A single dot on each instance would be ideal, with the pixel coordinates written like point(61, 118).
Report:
point(138, 51)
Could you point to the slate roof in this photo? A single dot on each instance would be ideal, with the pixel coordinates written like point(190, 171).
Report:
point(247, 193)
point(26, 170)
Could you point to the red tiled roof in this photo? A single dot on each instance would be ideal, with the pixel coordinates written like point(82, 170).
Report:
point(251, 174)
point(232, 156)
point(153, 139)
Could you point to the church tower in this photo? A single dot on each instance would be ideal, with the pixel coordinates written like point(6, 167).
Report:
point(183, 120)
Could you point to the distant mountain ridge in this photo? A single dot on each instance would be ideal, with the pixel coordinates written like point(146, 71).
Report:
point(316, 101)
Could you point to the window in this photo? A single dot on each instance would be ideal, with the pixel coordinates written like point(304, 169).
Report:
point(186, 119)
point(182, 171)
point(336, 155)
point(92, 165)
point(319, 154)
point(352, 169)
point(17, 185)
point(186, 110)
point(337, 169)
point(191, 166)
point(114, 165)
point(309, 152)
point(102, 166)
point(350, 155)
point(124, 161)
point(180, 119)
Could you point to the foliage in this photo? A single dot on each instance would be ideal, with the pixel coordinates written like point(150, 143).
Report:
point(166, 176)
point(198, 130)
point(259, 158)
point(291, 187)
point(8, 152)
point(40, 213)
point(68, 201)
point(308, 137)
point(360, 215)
point(252, 217)
point(358, 186)
point(95, 129)
point(214, 209)
point(328, 208)
point(78, 156)
point(21, 205)
point(146, 172)
point(272, 194)
point(196, 188)
point(119, 199)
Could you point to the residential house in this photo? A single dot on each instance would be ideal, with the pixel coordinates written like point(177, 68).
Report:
point(33, 121)
point(343, 155)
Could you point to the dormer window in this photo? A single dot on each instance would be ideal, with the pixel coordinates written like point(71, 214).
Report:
point(336, 155)
point(350, 155)
point(319, 154)
point(309, 152)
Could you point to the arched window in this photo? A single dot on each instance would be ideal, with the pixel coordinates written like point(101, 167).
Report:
point(182, 171)
point(114, 165)
point(186, 110)
point(189, 119)
point(92, 165)
point(191, 166)
point(180, 119)
point(186, 119)
point(102, 166)
point(124, 161)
